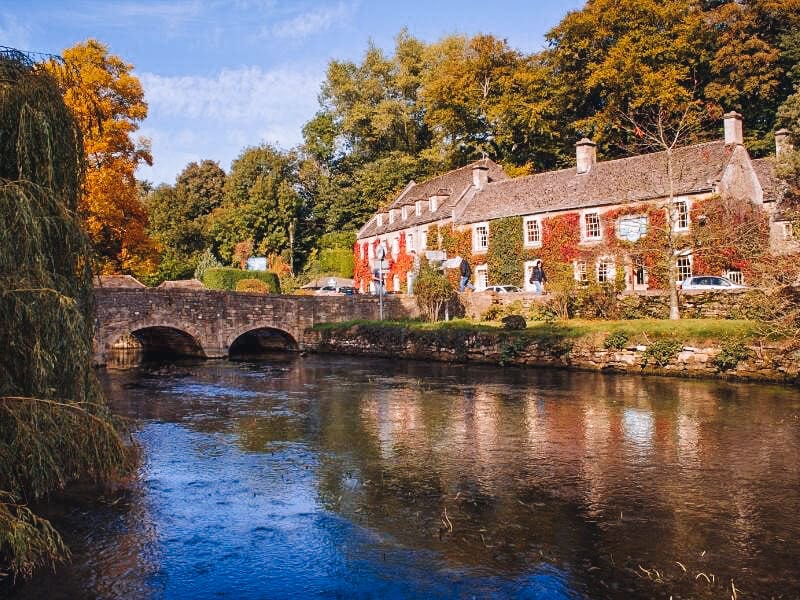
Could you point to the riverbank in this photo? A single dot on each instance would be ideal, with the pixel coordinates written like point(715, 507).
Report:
point(703, 348)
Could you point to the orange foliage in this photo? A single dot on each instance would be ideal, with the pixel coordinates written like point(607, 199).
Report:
point(108, 104)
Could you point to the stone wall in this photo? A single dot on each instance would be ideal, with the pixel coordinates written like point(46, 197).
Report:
point(763, 362)
point(694, 304)
point(215, 319)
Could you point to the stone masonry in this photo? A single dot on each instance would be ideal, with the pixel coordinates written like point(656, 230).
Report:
point(215, 319)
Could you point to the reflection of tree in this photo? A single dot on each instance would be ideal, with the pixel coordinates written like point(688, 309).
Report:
point(531, 466)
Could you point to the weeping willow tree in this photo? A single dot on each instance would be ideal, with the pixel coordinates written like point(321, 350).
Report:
point(54, 427)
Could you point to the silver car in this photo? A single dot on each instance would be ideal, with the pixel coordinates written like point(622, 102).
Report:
point(709, 282)
point(503, 289)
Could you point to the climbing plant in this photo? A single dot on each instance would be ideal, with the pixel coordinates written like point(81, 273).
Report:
point(504, 257)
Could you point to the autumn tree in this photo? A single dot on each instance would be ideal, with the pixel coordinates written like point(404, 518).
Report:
point(108, 103)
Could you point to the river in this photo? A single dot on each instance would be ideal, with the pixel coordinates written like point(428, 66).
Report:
point(342, 477)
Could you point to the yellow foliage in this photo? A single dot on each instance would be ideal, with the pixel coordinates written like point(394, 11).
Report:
point(107, 101)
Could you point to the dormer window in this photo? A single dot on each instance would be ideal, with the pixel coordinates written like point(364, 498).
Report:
point(391, 216)
point(418, 207)
point(434, 203)
point(404, 213)
point(380, 219)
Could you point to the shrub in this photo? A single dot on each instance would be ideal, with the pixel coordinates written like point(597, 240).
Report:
point(206, 261)
point(514, 322)
point(432, 291)
point(226, 278)
point(493, 313)
point(252, 285)
point(661, 352)
point(731, 354)
point(547, 312)
point(616, 340)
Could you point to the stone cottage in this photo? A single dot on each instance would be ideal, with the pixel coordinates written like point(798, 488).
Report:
point(600, 201)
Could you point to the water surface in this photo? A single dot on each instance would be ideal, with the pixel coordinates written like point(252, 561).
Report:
point(343, 477)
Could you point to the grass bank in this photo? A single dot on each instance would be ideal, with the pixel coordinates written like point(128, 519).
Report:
point(690, 331)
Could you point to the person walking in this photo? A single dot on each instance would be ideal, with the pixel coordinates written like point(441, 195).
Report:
point(466, 272)
point(538, 277)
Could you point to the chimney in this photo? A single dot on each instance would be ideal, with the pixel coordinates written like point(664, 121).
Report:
point(783, 143)
point(586, 155)
point(733, 128)
point(480, 176)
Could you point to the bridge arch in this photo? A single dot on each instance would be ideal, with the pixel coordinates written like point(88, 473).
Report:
point(258, 340)
point(158, 339)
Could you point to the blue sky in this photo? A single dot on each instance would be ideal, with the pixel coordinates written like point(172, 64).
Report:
point(223, 75)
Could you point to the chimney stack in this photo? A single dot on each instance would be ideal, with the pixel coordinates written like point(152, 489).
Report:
point(733, 128)
point(586, 154)
point(783, 143)
point(480, 176)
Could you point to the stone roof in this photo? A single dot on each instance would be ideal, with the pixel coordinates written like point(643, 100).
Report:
point(454, 183)
point(770, 184)
point(182, 284)
point(117, 281)
point(697, 168)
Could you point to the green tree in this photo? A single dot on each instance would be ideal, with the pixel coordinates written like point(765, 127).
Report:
point(261, 203)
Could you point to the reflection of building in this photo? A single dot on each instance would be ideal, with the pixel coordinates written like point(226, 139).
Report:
point(596, 204)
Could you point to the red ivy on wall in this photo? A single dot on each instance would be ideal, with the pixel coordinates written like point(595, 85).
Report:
point(361, 270)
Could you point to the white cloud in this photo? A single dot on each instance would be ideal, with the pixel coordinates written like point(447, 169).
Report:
point(314, 21)
point(193, 117)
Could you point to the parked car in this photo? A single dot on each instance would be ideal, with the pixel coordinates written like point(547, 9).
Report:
point(503, 289)
point(332, 290)
point(709, 282)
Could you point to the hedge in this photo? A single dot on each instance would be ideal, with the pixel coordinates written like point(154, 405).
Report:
point(226, 278)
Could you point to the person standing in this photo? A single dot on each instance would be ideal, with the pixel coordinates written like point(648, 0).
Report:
point(538, 277)
point(466, 272)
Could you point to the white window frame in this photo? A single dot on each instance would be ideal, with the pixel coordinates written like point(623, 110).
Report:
point(581, 274)
point(679, 216)
point(788, 231)
point(410, 242)
point(404, 212)
point(678, 259)
point(476, 237)
point(610, 270)
point(481, 278)
point(380, 219)
point(525, 231)
point(391, 216)
point(735, 275)
point(423, 239)
point(418, 207)
point(585, 226)
point(434, 204)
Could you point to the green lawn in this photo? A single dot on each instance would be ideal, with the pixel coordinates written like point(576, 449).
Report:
point(640, 330)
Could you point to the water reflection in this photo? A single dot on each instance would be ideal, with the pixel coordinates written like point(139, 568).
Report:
point(364, 478)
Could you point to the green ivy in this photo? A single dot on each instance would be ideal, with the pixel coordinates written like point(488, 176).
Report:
point(504, 258)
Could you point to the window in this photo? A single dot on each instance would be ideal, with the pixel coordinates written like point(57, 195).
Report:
point(424, 241)
point(418, 207)
point(735, 276)
point(580, 271)
point(681, 215)
point(605, 271)
point(639, 271)
point(592, 221)
point(632, 228)
point(788, 231)
point(434, 203)
point(404, 213)
point(481, 278)
point(391, 216)
point(684, 267)
point(481, 237)
point(533, 232)
point(410, 242)
point(380, 219)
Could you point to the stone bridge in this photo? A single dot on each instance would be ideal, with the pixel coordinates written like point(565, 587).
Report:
point(215, 324)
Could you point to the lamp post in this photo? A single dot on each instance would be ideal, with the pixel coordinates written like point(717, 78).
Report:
point(381, 252)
